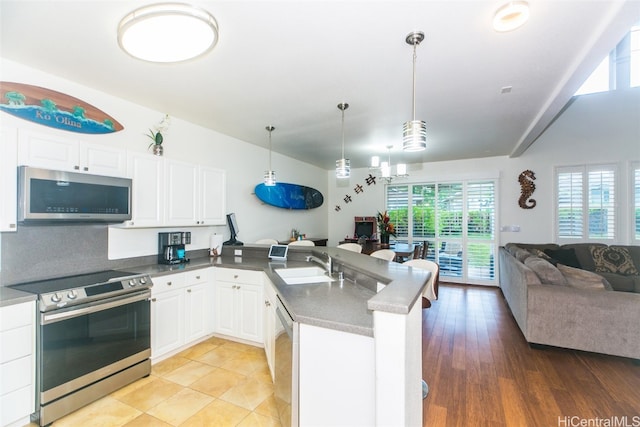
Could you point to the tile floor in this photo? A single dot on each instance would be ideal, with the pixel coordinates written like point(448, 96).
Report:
point(214, 383)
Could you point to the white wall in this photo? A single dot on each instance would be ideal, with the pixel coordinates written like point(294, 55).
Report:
point(597, 128)
point(245, 163)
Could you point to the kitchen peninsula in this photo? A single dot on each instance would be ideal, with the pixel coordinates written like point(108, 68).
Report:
point(360, 346)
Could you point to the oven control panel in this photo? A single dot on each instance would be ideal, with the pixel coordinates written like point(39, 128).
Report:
point(74, 296)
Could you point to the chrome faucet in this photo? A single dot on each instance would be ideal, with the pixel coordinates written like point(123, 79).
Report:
point(327, 265)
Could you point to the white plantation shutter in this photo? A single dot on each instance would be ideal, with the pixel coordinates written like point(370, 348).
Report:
point(585, 207)
point(481, 229)
point(601, 181)
point(449, 214)
point(570, 204)
point(397, 202)
point(635, 215)
point(423, 211)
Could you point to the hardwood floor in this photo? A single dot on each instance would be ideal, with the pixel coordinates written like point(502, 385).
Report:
point(481, 371)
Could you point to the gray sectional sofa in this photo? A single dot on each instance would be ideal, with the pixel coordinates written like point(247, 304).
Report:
point(571, 307)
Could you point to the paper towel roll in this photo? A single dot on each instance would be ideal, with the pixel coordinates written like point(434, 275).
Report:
point(215, 242)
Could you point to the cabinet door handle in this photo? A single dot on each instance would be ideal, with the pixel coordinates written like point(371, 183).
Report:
point(168, 283)
point(235, 276)
point(76, 167)
point(188, 290)
point(86, 169)
point(153, 300)
point(267, 303)
point(197, 277)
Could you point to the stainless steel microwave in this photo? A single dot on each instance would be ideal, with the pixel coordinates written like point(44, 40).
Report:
point(51, 196)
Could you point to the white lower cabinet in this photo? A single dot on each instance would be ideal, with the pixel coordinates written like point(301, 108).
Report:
point(17, 363)
point(239, 304)
point(269, 325)
point(180, 310)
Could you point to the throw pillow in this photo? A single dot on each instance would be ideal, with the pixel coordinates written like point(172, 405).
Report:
point(613, 260)
point(564, 256)
point(541, 254)
point(583, 279)
point(547, 273)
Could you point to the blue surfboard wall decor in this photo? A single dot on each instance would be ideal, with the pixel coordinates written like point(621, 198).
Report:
point(289, 196)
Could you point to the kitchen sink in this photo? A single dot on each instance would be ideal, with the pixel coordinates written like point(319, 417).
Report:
point(303, 275)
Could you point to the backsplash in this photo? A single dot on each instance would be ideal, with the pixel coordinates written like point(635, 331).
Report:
point(38, 252)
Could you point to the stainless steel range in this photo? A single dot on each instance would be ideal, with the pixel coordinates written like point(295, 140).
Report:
point(93, 337)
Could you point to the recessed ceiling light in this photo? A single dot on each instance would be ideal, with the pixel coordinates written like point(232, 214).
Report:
point(511, 16)
point(167, 32)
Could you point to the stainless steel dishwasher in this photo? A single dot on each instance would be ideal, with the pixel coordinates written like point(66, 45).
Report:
point(286, 366)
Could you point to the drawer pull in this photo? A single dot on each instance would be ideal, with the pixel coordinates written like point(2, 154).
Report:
point(188, 290)
point(168, 283)
point(197, 277)
point(153, 300)
point(235, 276)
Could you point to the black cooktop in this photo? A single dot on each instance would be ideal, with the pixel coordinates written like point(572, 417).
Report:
point(69, 282)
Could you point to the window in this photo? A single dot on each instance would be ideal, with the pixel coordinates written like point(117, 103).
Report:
point(585, 203)
point(458, 221)
point(620, 66)
point(635, 186)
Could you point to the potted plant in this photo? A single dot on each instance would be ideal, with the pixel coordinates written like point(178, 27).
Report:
point(385, 228)
point(157, 137)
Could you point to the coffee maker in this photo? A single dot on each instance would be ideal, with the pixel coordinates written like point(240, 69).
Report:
point(171, 247)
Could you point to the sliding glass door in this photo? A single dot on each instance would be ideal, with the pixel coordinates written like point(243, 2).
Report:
point(455, 219)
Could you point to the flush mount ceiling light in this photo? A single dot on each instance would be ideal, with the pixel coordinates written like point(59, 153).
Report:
point(167, 32)
point(511, 16)
point(414, 132)
point(270, 175)
point(343, 166)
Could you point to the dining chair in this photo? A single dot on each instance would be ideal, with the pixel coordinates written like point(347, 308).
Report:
point(267, 241)
point(425, 249)
point(302, 243)
point(417, 252)
point(386, 254)
point(353, 247)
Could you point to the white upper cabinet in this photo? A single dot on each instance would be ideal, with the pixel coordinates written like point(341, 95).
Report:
point(58, 153)
point(8, 181)
point(147, 199)
point(168, 193)
point(182, 187)
point(212, 196)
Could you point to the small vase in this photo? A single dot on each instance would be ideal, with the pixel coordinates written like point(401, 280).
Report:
point(157, 150)
point(384, 240)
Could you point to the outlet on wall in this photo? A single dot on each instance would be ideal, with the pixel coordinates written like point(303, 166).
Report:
point(237, 252)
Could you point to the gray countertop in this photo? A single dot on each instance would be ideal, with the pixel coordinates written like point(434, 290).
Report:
point(347, 306)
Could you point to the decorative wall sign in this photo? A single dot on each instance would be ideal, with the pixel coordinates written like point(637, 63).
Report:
point(527, 187)
point(54, 109)
point(289, 196)
point(358, 189)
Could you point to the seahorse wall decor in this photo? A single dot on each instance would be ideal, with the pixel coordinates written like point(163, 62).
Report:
point(527, 187)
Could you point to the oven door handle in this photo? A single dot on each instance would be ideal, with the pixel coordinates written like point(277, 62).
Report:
point(93, 307)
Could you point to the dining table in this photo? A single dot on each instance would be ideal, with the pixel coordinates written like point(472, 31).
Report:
point(404, 251)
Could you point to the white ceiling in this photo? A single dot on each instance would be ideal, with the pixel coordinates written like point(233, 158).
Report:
point(289, 63)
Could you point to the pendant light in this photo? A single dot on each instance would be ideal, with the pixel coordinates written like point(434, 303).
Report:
point(385, 168)
point(414, 132)
point(343, 166)
point(270, 175)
